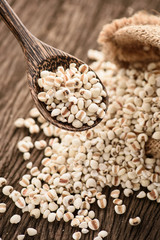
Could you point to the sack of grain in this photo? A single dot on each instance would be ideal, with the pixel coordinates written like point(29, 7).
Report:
point(131, 40)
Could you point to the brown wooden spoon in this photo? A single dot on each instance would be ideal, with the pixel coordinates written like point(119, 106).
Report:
point(39, 56)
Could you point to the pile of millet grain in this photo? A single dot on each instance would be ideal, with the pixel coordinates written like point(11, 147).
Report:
point(77, 166)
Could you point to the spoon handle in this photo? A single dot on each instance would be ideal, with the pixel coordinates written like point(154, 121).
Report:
point(23, 36)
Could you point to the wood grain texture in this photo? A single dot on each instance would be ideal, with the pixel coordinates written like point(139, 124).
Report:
point(72, 26)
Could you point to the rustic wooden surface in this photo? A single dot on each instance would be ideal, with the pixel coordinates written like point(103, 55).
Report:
point(72, 26)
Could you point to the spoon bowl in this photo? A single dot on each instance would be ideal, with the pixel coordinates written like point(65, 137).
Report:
point(51, 64)
point(40, 56)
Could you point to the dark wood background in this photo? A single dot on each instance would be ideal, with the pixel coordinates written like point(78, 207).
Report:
point(73, 26)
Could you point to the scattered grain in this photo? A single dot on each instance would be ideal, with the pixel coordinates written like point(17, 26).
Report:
point(15, 219)
point(134, 221)
point(31, 231)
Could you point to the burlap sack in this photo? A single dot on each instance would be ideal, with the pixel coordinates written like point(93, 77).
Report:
point(133, 39)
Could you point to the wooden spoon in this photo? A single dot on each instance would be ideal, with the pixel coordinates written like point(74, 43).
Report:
point(40, 56)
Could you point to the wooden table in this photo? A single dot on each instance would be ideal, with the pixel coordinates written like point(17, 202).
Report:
point(72, 26)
